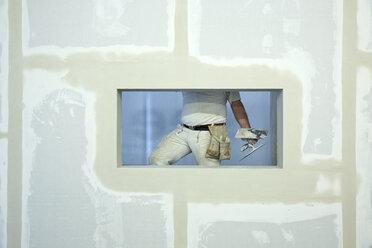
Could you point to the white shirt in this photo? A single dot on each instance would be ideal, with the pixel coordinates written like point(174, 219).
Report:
point(206, 107)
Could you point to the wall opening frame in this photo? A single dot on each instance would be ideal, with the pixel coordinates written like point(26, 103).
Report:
point(144, 116)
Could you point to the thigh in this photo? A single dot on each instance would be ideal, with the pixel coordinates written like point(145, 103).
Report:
point(199, 146)
point(172, 148)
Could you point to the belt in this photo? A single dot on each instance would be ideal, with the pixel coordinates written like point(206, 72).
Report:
point(202, 127)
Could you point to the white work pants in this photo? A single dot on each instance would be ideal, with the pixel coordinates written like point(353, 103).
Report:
point(181, 142)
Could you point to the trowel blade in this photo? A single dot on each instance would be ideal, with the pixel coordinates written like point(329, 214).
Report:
point(253, 150)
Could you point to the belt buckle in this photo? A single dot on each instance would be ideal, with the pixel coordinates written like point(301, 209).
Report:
point(192, 128)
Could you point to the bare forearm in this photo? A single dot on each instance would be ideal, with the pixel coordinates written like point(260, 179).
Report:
point(240, 114)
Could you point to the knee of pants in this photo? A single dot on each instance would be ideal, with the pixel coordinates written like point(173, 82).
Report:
point(156, 160)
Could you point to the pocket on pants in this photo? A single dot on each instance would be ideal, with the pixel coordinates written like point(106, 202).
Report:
point(219, 146)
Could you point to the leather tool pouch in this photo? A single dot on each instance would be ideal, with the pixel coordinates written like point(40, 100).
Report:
point(219, 146)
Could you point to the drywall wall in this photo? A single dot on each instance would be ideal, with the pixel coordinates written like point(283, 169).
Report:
point(65, 77)
point(364, 156)
point(365, 25)
point(133, 26)
point(3, 191)
point(59, 184)
point(3, 66)
point(363, 132)
point(300, 36)
point(264, 225)
point(3, 121)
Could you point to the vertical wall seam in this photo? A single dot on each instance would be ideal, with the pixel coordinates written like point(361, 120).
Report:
point(349, 51)
point(14, 224)
point(181, 47)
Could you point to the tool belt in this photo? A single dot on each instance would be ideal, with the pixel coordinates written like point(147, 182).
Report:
point(219, 146)
point(202, 127)
point(197, 128)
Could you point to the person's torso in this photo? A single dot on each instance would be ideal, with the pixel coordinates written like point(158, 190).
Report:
point(204, 108)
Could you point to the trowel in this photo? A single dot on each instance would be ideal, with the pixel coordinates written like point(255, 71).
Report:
point(251, 134)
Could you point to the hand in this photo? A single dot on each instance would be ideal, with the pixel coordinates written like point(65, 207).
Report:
point(250, 141)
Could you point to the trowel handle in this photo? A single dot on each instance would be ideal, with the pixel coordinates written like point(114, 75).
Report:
point(245, 146)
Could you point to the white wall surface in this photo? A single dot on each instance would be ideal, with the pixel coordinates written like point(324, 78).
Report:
point(297, 35)
point(3, 66)
point(365, 25)
point(134, 26)
point(364, 127)
point(59, 183)
point(364, 157)
point(3, 121)
point(264, 225)
point(69, 68)
point(3, 191)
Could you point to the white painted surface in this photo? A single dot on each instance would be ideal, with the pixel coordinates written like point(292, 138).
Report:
point(4, 65)
point(261, 237)
point(106, 26)
point(59, 142)
point(3, 192)
point(326, 185)
point(296, 35)
point(264, 225)
point(364, 158)
point(4, 35)
point(59, 183)
point(365, 25)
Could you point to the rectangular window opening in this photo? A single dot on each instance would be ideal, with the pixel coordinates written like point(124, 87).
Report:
point(146, 117)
